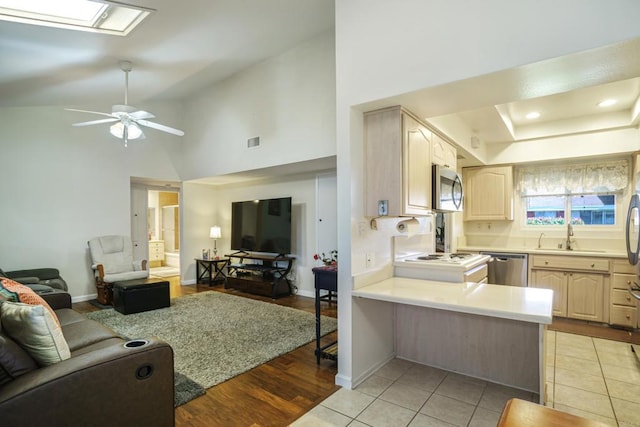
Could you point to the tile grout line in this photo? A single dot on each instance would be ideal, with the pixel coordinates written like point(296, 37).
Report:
point(606, 386)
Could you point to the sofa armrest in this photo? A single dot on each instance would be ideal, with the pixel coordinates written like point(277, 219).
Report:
point(113, 386)
point(57, 299)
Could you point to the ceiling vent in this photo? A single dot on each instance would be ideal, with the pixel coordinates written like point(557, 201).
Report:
point(253, 142)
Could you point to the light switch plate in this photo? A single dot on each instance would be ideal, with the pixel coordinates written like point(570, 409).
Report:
point(383, 207)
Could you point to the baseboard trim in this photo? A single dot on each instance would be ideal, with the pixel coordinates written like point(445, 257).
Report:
point(83, 298)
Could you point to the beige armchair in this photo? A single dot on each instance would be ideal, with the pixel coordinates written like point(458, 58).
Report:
point(112, 261)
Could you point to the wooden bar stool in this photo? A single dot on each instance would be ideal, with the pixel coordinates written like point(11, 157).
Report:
point(520, 413)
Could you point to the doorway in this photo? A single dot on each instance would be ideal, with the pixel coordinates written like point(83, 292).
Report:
point(163, 230)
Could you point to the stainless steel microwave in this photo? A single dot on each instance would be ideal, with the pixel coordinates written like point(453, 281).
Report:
point(446, 190)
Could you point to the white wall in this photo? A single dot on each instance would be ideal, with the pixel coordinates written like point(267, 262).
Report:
point(209, 205)
point(386, 48)
point(63, 185)
point(288, 101)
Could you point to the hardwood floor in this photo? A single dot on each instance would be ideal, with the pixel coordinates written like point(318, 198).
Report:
point(273, 394)
point(596, 330)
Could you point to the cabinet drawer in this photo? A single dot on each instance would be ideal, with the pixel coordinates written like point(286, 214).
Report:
point(624, 316)
point(623, 266)
point(571, 263)
point(622, 281)
point(620, 297)
point(477, 274)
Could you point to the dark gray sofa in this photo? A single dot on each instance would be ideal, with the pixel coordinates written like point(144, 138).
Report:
point(107, 381)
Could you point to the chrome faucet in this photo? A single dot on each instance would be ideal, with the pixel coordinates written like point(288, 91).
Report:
point(569, 234)
point(539, 240)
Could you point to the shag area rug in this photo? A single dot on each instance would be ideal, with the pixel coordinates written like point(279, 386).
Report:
point(216, 336)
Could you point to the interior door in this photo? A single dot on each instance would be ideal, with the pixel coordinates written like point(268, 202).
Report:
point(327, 208)
point(139, 234)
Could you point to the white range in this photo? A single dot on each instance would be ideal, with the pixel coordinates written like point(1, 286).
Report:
point(445, 267)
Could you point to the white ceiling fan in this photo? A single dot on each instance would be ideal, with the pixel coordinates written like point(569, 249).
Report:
point(127, 118)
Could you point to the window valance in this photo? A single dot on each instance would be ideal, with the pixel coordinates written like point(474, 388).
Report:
point(585, 178)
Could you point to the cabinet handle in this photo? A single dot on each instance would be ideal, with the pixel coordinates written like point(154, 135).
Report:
point(628, 298)
point(628, 316)
point(570, 274)
point(546, 263)
point(593, 265)
point(628, 282)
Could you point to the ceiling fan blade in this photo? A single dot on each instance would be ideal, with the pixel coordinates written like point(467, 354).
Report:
point(96, 122)
point(160, 127)
point(141, 114)
point(90, 112)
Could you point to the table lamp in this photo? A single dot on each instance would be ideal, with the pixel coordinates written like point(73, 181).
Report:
point(215, 234)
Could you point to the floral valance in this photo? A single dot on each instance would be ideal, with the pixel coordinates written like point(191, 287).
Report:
point(585, 178)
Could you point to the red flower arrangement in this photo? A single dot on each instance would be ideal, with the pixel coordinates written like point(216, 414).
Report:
point(332, 259)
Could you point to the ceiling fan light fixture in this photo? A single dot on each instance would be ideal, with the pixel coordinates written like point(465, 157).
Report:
point(133, 130)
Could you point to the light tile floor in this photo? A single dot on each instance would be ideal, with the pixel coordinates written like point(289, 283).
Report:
point(591, 377)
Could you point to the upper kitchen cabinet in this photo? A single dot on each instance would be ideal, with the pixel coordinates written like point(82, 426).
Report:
point(443, 153)
point(488, 193)
point(397, 164)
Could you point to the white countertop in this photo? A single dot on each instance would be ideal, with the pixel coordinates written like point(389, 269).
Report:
point(546, 251)
point(508, 302)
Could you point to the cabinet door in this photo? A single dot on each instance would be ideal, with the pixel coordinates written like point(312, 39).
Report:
point(443, 153)
point(416, 183)
point(488, 193)
point(585, 296)
point(557, 282)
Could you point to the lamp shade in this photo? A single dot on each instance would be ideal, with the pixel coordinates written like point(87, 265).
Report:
point(214, 233)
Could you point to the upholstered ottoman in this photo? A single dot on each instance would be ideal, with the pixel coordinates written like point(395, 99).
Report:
point(134, 296)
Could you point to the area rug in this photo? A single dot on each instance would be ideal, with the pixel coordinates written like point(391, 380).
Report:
point(217, 336)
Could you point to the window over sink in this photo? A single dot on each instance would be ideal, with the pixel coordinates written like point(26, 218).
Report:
point(586, 209)
point(576, 193)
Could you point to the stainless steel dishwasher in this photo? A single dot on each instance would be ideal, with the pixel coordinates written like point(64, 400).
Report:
point(506, 268)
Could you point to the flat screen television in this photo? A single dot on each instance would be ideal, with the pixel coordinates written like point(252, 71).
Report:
point(261, 225)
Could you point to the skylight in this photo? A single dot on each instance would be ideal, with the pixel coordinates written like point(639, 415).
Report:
point(101, 16)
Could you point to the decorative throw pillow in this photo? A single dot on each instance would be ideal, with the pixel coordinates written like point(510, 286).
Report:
point(33, 328)
point(10, 290)
point(14, 360)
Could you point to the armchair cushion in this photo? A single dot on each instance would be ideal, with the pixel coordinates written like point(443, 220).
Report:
point(34, 329)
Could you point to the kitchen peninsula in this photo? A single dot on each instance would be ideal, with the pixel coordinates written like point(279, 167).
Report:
point(492, 332)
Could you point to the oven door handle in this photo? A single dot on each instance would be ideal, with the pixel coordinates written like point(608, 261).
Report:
point(633, 290)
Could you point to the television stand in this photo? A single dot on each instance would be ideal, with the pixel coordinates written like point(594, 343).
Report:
point(264, 275)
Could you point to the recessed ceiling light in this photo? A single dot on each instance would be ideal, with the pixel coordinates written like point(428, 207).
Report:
point(532, 115)
point(607, 103)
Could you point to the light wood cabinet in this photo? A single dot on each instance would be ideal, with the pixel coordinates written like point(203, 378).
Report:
point(585, 296)
point(156, 253)
point(580, 285)
point(443, 153)
point(624, 308)
point(557, 282)
point(488, 193)
point(397, 164)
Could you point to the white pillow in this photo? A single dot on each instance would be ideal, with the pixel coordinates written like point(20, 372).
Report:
point(35, 330)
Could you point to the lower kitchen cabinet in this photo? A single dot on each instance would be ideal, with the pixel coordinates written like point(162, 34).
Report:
point(585, 296)
point(557, 282)
point(624, 308)
point(575, 295)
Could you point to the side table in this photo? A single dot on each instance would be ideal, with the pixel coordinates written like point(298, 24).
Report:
point(211, 270)
point(325, 278)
